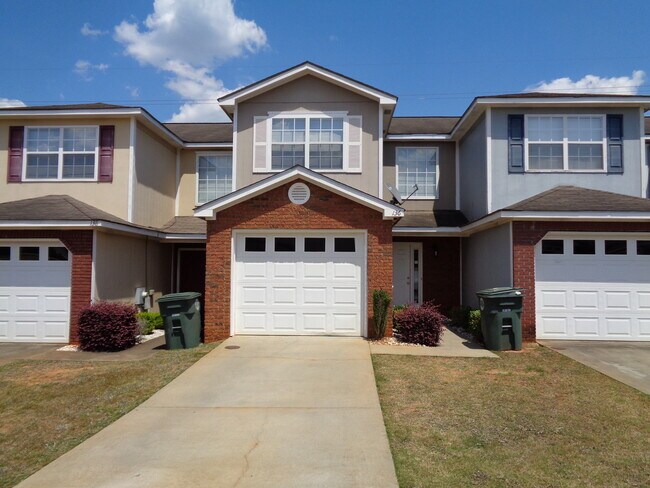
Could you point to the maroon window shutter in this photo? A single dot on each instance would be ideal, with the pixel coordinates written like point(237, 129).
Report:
point(106, 144)
point(15, 163)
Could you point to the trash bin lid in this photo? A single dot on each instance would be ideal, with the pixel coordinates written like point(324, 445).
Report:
point(174, 297)
point(501, 291)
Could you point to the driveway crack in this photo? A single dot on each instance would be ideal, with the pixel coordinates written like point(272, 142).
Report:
point(254, 445)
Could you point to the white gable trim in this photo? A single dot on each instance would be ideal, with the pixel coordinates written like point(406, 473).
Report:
point(304, 69)
point(210, 209)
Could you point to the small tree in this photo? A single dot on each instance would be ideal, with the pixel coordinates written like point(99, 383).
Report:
point(380, 307)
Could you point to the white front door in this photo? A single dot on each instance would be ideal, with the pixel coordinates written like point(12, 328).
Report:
point(299, 282)
point(593, 287)
point(407, 273)
point(34, 291)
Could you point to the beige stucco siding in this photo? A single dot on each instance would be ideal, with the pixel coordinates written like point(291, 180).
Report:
point(110, 197)
point(123, 263)
point(154, 192)
point(447, 178)
point(188, 175)
point(310, 94)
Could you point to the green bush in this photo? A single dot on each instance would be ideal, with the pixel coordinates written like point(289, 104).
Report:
point(398, 308)
point(467, 319)
point(380, 306)
point(474, 324)
point(150, 321)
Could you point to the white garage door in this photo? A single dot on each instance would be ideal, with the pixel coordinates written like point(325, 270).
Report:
point(593, 287)
point(299, 283)
point(34, 291)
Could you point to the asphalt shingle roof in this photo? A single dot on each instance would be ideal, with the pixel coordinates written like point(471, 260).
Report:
point(432, 219)
point(76, 106)
point(422, 125)
point(578, 199)
point(202, 132)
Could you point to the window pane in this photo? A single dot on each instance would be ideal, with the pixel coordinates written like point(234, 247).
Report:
point(79, 138)
point(255, 244)
point(215, 177)
point(549, 129)
point(585, 128)
point(344, 244)
point(78, 166)
point(285, 244)
point(5, 253)
point(552, 246)
point(417, 166)
point(314, 244)
point(545, 156)
point(643, 248)
point(42, 165)
point(57, 254)
point(584, 246)
point(326, 156)
point(287, 155)
point(585, 156)
point(29, 253)
point(615, 247)
point(43, 139)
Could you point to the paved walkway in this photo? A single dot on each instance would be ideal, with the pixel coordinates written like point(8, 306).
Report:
point(627, 362)
point(277, 412)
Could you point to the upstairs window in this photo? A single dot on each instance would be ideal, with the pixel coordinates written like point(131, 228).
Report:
point(566, 142)
point(61, 153)
point(214, 176)
point(417, 166)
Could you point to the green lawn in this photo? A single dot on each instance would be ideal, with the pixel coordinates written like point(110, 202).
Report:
point(530, 419)
point(48, 407)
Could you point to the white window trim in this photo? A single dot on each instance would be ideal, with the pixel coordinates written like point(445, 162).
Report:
point(59, 177)
point(307, 116)
point(196, 168)
point(415, 196)
point(565, 144)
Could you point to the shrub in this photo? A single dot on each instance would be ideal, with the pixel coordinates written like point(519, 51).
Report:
point(467, 319)
point(398, 308)
point(150, 321)
point(380, 307)
point(474, 324)
point(420, 324)
point(108, 326)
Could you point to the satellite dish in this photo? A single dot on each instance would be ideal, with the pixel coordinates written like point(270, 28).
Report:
point(397, 198)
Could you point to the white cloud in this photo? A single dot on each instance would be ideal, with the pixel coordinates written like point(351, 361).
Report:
point(134, 91)
point(88, 31)
point(11, 102)
point(188, 40)
point(85, 69)
point(622, 85)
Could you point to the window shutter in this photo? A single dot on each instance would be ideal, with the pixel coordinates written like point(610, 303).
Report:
point(15, 161)
point(615, 143)
point(260, 130)
point(106, 147)
point(516, 143)
point(354, 125)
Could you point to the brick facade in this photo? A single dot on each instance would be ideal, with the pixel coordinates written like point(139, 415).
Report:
point(441, 272)
point(273, 210)
point(526, 235)
point(80, 245)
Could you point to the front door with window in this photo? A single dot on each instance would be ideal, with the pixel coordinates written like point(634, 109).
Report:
point(407, 273)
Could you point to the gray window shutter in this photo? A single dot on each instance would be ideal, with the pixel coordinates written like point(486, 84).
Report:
point(614, 143)
point(260, 132)
point(516, 143)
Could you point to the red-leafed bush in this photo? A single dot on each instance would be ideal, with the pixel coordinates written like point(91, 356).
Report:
point(421, 324)
point(108, 326)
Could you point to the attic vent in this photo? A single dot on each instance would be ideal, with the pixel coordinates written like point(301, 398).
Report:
point(299, 193)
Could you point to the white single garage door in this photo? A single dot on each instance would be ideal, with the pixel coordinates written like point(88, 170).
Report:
point(300, 283)
point(593, 287)
point(34, 291)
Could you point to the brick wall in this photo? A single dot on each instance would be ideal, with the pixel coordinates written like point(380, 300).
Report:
point(80, 245)
point(441, 273)
point(526, 234)
point(273, 210)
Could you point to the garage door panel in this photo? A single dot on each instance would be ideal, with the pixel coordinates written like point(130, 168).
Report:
point(315, 271)
point(55, 329)
point(345, 322)
point(4, 330)
point(607, 295)
point(253, 271)
point(4, 303)
point(285, 270)
point(315, 322)
point(26, 329)
point(284, 296)
point(315, 295)
point(252, 295)
point(284, 322)
point(27, 303)
point(56, 304)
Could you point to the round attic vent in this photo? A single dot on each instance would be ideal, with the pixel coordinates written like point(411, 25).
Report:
point(299, 193)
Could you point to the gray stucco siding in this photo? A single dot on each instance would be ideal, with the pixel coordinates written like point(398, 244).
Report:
point(509, 188)
point(487, 262)
point(473, 171)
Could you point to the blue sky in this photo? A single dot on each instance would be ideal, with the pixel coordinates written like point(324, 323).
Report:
point(435, 55)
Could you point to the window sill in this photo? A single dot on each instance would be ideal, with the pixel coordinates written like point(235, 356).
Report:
point(56, 180)
point(565, 171)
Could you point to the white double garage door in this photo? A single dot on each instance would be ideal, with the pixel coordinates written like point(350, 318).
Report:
point(299, 283)
point(593, 287)
point(34, 291)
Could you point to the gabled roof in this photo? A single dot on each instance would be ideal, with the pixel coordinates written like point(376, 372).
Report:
point(228, 101)
point(55, 207)
point(219, 132)
point(76, 106)
point(578, 199)
point(210, 209)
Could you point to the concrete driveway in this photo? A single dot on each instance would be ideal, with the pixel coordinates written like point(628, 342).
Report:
point(627, 362)
point(277, 411)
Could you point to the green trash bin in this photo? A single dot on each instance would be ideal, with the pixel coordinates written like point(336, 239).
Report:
point(181, 313)
point(501, 318)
